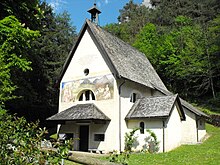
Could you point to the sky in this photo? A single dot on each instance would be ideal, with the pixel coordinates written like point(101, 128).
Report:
point(78, 10)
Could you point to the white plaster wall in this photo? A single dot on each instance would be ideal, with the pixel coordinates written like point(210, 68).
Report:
point(189, 134)
point(99, 129)
point(94, 128)
point(88, 56)
point(126, 90)
point(71, 127)
point(189, 130)
point(155, 125)
point(173, 131)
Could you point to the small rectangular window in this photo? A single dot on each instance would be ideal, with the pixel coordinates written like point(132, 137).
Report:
point(99, 137)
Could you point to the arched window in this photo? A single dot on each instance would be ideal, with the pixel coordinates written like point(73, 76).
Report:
point(134, 97)
point(142, 127)
point(87, 95)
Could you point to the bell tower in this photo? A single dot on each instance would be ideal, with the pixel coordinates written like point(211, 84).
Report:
point(94, 11)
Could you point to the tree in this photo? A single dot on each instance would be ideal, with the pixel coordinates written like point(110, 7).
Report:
point(14, 41)
point(27, 12)
point(180, 55)
point(38, 97)
point(20, 141)
point(119, 30)
point(181, 39)
point(200, 11)
point(131, 19)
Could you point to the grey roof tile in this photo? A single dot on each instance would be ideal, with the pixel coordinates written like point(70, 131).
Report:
point(128, 61)
point(183, 102)
point(152, 107)
point(80, 112)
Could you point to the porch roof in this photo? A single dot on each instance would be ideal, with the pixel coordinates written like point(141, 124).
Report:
point(80, 112)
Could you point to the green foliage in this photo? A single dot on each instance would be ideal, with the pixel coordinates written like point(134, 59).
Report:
point(119, 30)
point(148, 41)
point(181, 40)
point(182, 55)
point(129, 140)
point(38, 95)
point(20, 143)
point(132, 18)
point(205, 153)
point(200, 11)
point(27, 12)
point(14, 41)
point(154, 143)
point(121, 158)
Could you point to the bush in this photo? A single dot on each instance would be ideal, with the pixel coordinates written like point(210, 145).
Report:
point(130, 139)
point(153, 143)
point(20, 143)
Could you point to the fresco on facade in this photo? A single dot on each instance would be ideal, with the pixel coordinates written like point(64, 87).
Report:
point(102, 87)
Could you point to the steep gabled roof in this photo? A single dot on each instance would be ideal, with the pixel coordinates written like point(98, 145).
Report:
point(155, 107)
point(79, 112)
point(126, 61)
point(184, 103)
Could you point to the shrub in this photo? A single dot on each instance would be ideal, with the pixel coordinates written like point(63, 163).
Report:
point(119, 157)
point(130, 139)
point(153, 143)
point(20, 143)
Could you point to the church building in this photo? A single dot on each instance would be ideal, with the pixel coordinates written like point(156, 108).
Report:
point(108, 88)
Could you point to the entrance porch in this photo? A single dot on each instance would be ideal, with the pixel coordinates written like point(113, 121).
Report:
point(86, 124)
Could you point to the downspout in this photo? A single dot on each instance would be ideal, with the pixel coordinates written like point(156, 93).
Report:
point(163, 136)
point(119, 91)
point(197, 130)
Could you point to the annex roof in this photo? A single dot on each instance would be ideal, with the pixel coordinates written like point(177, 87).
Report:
point(80, 112)
point(126, 61)
point(155, 107)
point(184, 103)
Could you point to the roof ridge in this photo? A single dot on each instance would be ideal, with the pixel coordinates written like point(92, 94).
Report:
point(125, 61)
point(117, 38)
point(129, 62)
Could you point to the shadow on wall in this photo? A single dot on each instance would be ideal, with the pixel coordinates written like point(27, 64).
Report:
point(98, 134)
point(148, 144)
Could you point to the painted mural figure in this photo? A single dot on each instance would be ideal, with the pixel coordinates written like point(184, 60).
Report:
point(102, 87)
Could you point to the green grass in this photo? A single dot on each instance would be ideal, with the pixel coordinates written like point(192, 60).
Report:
point(205, 153)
